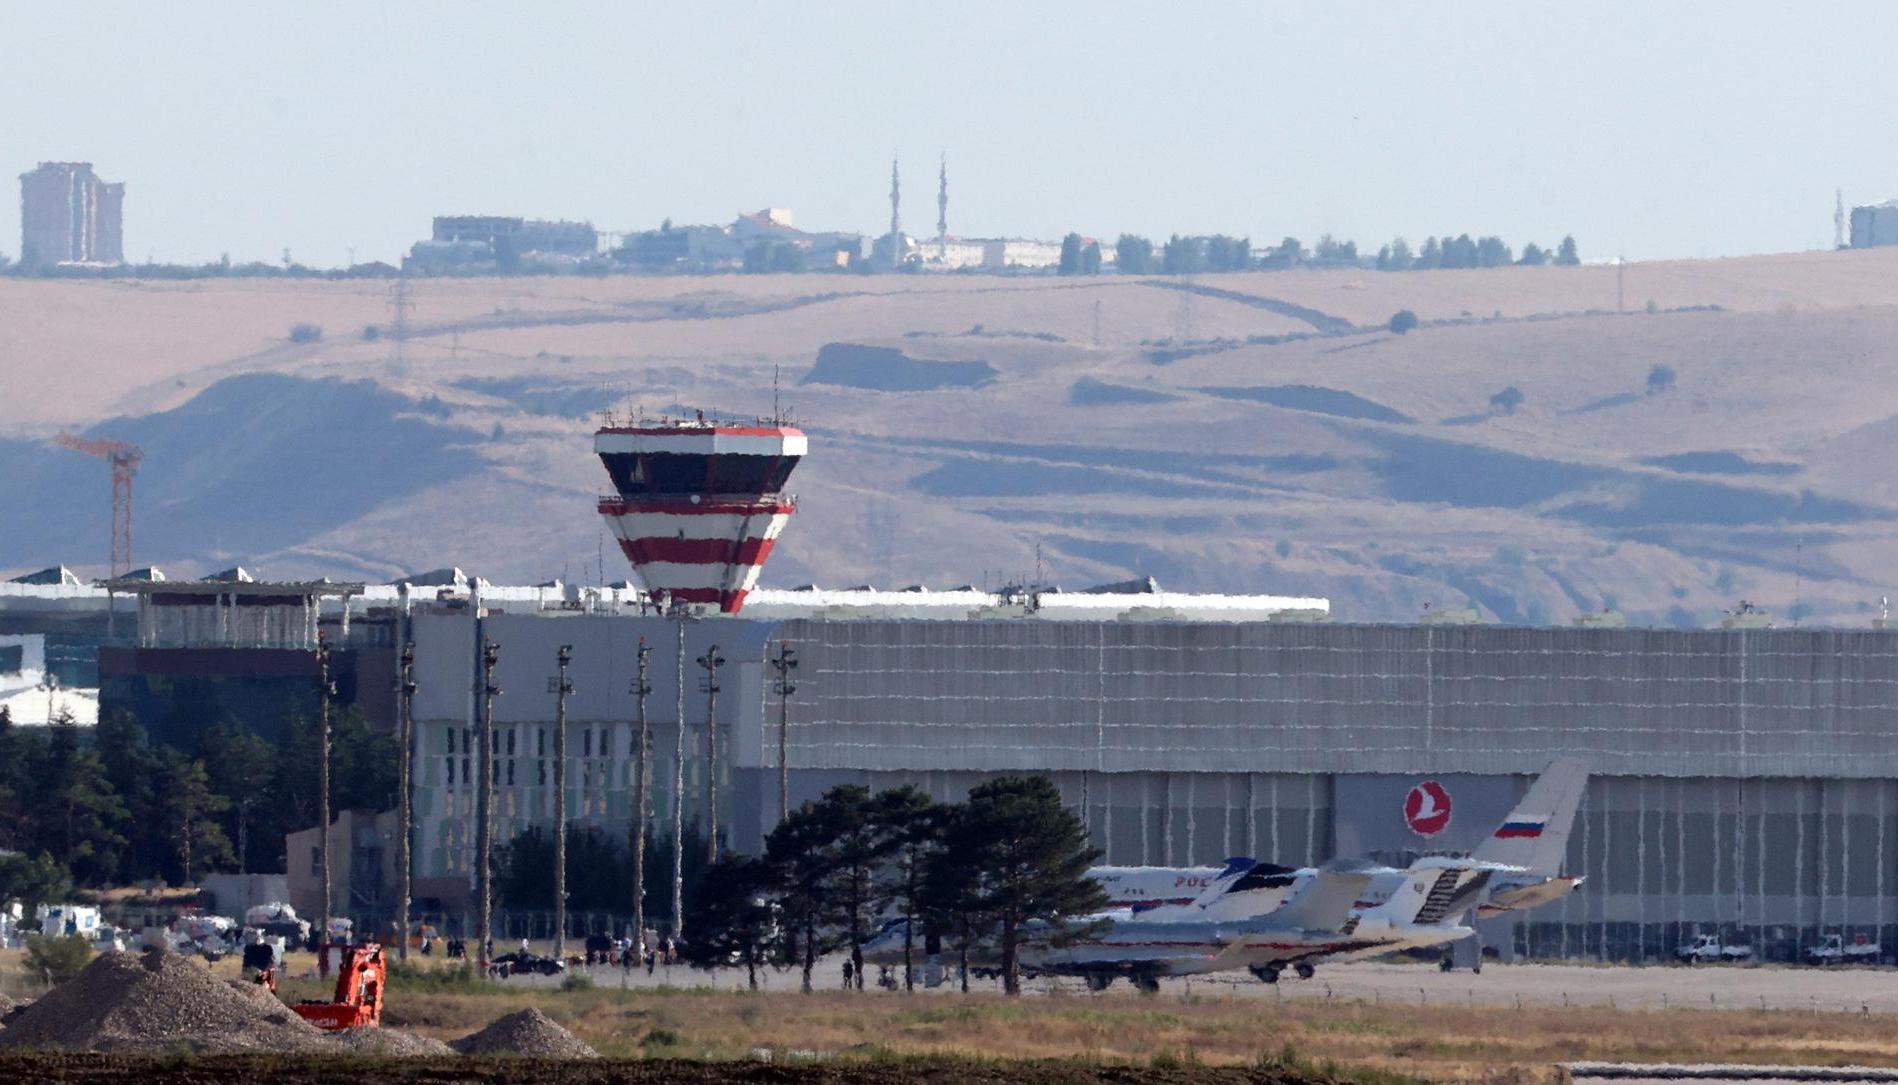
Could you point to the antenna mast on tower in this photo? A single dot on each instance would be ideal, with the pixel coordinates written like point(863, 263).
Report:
point(942, 213)
point(896, 219)
point(1838, 218)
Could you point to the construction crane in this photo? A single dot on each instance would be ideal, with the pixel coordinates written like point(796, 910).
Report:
point(124, 458)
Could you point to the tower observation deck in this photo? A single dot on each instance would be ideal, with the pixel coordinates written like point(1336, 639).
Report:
point(698, 504)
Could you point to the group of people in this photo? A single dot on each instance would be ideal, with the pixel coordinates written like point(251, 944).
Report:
point(629, 953)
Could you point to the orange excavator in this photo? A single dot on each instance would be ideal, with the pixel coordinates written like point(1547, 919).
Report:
point(359, 983)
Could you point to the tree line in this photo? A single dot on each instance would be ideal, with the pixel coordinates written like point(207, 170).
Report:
point(1192, 255)
point(118, 808)
point(993, 870)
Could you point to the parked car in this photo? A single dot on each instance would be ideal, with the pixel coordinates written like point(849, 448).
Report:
point(1836, 950)
point(1711, 949)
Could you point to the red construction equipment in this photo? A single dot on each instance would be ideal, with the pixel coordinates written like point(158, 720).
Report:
point(124, 458)
point(358, 1001)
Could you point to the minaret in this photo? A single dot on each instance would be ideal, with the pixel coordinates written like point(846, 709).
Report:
point(896, 219)
point(942, 213)
point(1838, 218)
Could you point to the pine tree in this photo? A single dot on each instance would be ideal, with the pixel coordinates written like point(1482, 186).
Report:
point(240, 766)
point(1566, 254)
point(799, 856)
point(732, 918)
point(1070, 255)
point(191, 812)
point(77, 817)
point(1031, 858)
point(133, 769)
point(914, 824)
point(1133, 255)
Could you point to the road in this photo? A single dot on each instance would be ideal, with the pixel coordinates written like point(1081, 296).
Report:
point(1725, 987)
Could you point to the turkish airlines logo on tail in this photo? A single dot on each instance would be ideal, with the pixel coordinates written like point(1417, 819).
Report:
point(1427, 808)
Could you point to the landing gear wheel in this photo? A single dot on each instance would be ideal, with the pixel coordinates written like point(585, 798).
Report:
point(1099, 981)
point(1446, 965)
point(1304, 970)
point(1147, 985)
point(1265, 973)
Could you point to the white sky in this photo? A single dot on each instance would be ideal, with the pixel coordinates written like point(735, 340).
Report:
point(1650, 129)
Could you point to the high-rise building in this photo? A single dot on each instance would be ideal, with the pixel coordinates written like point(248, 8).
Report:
point(69, 216)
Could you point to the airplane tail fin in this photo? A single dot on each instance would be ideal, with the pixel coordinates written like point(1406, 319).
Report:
point(1235, 870)
point(1325, 901)
point(1535, 834)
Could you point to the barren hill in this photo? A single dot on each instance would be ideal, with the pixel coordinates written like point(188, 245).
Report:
point(1255, 432)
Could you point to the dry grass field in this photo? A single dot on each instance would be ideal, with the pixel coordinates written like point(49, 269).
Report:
point(1252, 432)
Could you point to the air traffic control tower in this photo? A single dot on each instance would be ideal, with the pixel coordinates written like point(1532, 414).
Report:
point(699, 504)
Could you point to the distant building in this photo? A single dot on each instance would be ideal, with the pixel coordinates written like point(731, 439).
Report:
point(501, 243)
point(69, 216)
point(763, 240)
point(1875, 225)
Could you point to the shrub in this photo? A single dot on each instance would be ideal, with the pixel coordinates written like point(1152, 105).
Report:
point(576, 981)
point(305, 333)
point(1402, 321)
point(1507, 400)
point(1660, 379)
point(56, 960)
point(371, 333)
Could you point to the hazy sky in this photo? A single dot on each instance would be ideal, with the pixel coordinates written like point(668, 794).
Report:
point(1651, 129)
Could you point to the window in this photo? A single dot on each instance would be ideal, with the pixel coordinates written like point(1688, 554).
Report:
point(451, 772)
point(316, 862)
point(586, 742)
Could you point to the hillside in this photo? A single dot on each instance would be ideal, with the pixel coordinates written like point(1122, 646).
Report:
point(1255, 432)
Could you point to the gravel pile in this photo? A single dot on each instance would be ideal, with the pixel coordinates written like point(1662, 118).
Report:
point(158, 1001)
point(527, 1032)
point(391, 1043)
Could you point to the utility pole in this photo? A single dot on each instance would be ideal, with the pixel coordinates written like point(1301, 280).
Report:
point(484, 806)
point(784, 663)
point(711, 661)
point(642, 799)
point(405, 801)
point(325, 689)
point(678, 789)
point(560, 686)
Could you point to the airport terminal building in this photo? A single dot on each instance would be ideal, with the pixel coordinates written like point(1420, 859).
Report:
point(1743, 778)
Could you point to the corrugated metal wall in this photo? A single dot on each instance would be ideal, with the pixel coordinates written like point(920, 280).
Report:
point(1181, 697)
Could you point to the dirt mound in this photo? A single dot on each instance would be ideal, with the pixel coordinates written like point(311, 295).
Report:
point(158, 1001)
point(392, 1043)
point(526, 1032)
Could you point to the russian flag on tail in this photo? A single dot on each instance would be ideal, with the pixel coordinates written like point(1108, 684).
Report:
point(1519, 830)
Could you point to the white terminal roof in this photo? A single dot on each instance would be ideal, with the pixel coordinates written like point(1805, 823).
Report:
point(779, 604)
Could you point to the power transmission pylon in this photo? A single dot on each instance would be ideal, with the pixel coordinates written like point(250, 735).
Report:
point(399, 327)
point(124, 458)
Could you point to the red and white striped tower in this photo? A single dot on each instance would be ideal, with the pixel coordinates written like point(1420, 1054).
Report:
point(699, 504)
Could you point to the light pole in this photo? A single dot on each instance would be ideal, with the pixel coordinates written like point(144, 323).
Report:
point(560, 686)
point(405, 802)
point(678, 788)
point(711, 661)
point(642, 799)
point(484, 806)
point(325, 689)
point(784, 663)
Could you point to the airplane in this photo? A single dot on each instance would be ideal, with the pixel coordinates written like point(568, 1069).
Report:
point(1265, 917)
point(1534, 837)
